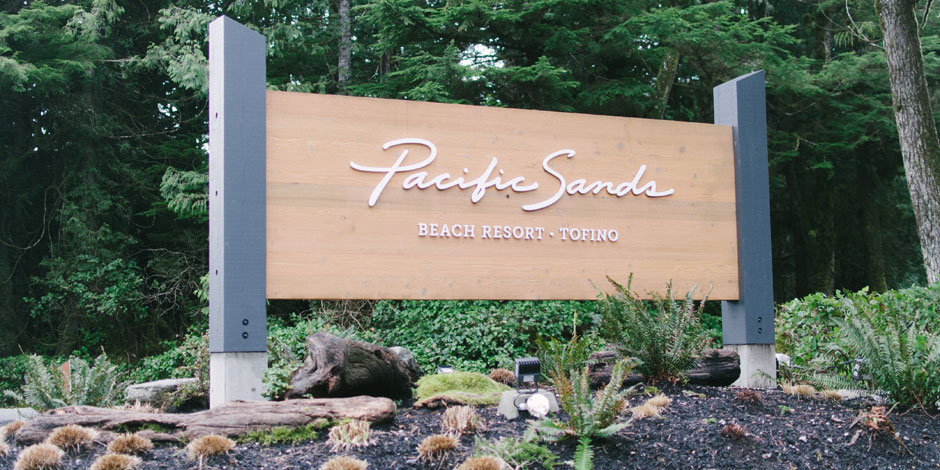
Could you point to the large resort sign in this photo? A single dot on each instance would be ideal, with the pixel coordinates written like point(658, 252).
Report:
point(370, 198)
point(324, 197)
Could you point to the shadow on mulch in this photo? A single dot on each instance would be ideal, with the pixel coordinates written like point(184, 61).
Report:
point(782, 431)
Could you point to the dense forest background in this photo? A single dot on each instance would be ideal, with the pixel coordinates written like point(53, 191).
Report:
point(103, 123)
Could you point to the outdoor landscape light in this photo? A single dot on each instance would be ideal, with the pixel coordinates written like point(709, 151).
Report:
point(528, 371)
point(445, 369)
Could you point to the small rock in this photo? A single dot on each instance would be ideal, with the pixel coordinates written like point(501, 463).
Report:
point(803, 438)
point(12, 414)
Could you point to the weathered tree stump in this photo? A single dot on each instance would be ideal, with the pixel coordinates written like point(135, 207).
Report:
point(231, 419)
point(336, 367)
point(720, 367)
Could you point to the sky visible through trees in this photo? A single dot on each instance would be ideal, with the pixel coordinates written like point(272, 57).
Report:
point(103, 123)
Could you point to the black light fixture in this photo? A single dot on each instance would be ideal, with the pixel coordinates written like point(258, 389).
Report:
point(528, 372)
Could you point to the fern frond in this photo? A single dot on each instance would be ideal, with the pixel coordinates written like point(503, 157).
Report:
point(584, 455)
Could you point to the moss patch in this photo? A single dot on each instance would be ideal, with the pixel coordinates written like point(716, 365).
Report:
point(286, 434)
point(462, 384)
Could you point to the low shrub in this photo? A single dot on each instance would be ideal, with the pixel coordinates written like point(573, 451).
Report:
point(475, 335)
point(666, 334)
point(97, 384)
point(12, 370)
point(590, 416)
point(503, 376)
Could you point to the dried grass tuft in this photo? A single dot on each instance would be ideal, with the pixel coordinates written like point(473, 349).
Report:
point(350, 434)
point(206, 446)
point(4, 449)
point(11, 428)
point(116, 462)
point(461, 420)
point(485, 462)
point(436, 447)
point(344, 463)
point(130, 444)
point(645, 411)
point(39, 457)
point(72, 438)
point(659, 401)
point(748, 396)
point(503, 376)
point(802, 390)
point(831, 395)
point(734, 431)
point(139, 407)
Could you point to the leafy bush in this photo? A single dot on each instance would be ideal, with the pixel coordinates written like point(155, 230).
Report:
point(475, 335)
point(97, 384)
point(12, 370)
point(902, 357)
point(590, 415)
point(666, 335)
point(807, 329)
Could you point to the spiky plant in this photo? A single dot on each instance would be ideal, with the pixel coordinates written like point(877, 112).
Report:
point(485, 462)
point(659, 401)
point(503, 376)
point(11, 428)
point(645, 411)
point(73, 438)
point(734, 431)
point(207, 446)
point(345, 436)
point(666, 334)
point(130, 444)
point(461, 419)
point(436, 447)
point(518, 453)
point(39, 457)
point(344, 463)
point(97, 384)
point(4, 449)
point(115, 462)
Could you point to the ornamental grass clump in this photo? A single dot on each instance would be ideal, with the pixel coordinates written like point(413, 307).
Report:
point(11, 428)
point(436, 447)
point(461, 420)
point(345, 436)
point(4, 449)
point(734, 431)
point(503, 376)
point(116, 462)
point(665, 334)
point(130, 444)
point(208, 446)
point(344, 463)
point(72, 438)
point(39, 457)
point(485, 462)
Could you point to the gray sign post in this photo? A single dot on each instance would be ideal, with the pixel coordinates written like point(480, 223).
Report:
point(748, 323)
point(237, 316)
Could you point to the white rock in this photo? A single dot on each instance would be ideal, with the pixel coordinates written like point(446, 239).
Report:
point(158, 393)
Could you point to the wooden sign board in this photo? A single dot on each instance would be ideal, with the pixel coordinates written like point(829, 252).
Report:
point(392, 199)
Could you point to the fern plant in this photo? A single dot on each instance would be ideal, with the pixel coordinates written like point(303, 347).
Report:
point(96, 384)
point(590, 416)
point(902, 359)
point(666, 335)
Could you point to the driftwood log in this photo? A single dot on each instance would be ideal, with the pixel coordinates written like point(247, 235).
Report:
point(719, 367)
point(336, 367)
point(231, 419)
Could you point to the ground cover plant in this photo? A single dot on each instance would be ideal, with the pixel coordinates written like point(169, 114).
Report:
point(99, 383)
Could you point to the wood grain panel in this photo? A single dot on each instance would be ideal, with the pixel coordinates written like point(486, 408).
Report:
point(324, 241)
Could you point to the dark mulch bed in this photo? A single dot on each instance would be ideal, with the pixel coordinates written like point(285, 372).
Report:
point(786, 432)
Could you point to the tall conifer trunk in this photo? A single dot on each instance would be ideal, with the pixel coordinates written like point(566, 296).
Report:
point(916, 128)
point(345, 45)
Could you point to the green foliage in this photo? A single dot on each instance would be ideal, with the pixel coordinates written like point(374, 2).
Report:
point(463, 382)
point(590, 416)
point(563, 358)
point(902, 358)
point(12, 370)
point(97, 384)
point(666, 335)
point(525, 453)
point(286, 435)
point(474, 335)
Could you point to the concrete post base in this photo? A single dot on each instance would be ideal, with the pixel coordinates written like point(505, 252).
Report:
point(758, 365)
point(236, 376)
point(507, 402)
